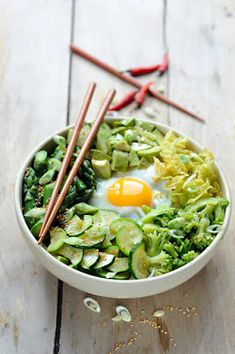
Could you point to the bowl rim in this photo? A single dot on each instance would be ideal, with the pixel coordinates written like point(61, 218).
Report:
point(24, 227)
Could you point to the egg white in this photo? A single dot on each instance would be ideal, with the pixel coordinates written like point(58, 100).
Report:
point(100, 195)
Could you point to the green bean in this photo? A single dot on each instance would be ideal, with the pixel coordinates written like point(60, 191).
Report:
point(47, 177)
point(30, 178)
point(59, 140)
point(40, 160)
point(54, 163)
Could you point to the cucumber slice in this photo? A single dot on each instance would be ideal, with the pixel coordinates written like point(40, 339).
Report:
point(108, 275)
point(57, 236)
point(106, 243)
point(119, 265)
point(128, 236)
point(104, 260)
point(112, 250)
point(63, 259)
point(138, 262)
point(116, 224)
point(90, 239)
point(77, 226)
point(73, 254)
point(104, 217)
point(90, 257)
point(37, 227)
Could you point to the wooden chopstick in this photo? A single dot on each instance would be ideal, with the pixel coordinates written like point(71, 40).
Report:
point(130, 80)
point(68, 155)
point(74, 170)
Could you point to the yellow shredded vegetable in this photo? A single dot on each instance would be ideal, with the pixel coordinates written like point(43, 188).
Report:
point(189, 176)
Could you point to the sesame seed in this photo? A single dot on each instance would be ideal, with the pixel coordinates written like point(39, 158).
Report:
point(165, 332)
point(195, 313)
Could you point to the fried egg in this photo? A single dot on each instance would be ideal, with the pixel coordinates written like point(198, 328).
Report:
point(125, 193)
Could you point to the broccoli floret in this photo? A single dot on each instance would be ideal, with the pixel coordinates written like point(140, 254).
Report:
point(220, 210)
point(188, 257)
point(155, 242)
point(162, 263)
point(169, 247)
point(202, 240)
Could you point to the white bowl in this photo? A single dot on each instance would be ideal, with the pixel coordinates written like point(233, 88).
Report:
point(109, 287)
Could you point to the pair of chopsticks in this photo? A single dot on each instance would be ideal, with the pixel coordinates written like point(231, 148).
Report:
point(57, 200)
point(130, 80)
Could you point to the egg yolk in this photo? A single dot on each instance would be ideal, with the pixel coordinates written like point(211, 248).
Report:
point(130, 192)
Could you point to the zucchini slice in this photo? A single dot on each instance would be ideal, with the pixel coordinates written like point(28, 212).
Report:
point(104, 217)
point(90, 258)
point(77, 226)
point(119, 265)
point(128, 236)
point(112, 250)
point(104, 260)
point(73, 254)
point(92, 237)
point(106, 274)
point(138, 261)
point(106, 243)
point(57, 236)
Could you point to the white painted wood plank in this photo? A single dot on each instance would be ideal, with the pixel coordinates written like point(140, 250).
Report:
point(33, 96)
point(123, 34)
point(202, 75)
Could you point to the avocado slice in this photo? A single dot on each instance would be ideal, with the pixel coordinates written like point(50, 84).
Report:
point(120, 160)
point(101, 168)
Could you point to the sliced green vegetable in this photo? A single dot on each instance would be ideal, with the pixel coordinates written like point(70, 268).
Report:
point(37, 227)
point(33, 215)
point(134, 159)
point(105, 217)
point(54, 164)
point(59, 140)
point(120, 160)
point(122, 146)
point(102, 168)
point(77, 226)
point(47, 177)
point(84, 208)
point(75, 255)
point(112, 250)
point(57, 236)
point(119, 265)
point(99, 155)
point(47, 192)
point(92, 237)
point(138, 262)
point(128, 236)
point(104, 260)
point(63, 260)
point(40, 160)
point(90, 258)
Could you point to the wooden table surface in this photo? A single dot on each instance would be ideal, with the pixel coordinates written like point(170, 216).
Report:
point(41, 88)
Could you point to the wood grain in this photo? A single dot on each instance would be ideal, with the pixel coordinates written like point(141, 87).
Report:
point(33, 98)
point(210, 330)
point(36, 82)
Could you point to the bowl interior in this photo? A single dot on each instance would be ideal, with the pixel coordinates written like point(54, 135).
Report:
point(48, 144)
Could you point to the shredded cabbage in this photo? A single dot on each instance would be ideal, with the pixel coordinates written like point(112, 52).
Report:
point(189, 176)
